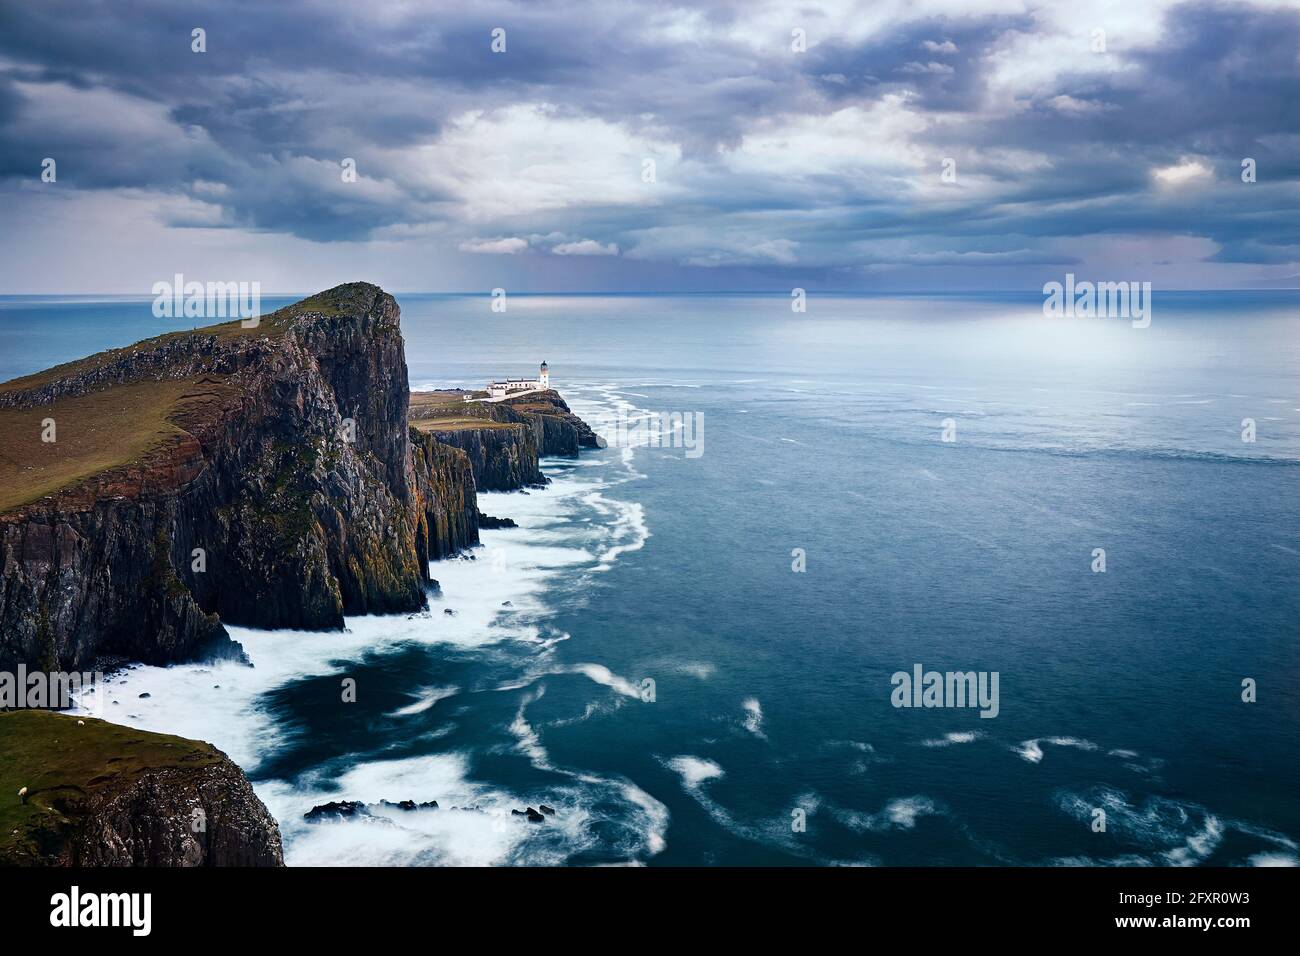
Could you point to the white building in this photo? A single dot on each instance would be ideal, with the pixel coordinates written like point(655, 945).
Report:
point(515, 386)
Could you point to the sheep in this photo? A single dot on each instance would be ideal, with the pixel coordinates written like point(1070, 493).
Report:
point(22, 795)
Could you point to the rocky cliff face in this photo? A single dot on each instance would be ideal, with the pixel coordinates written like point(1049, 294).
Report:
point(447, 516)
point(505, 450)
point(264, 477)
point(98, 794)
point(558, 430)
point(290, 474)
point(503, 457)
point(151, 823)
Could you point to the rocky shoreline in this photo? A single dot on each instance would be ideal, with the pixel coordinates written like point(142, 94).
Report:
point(286, 477)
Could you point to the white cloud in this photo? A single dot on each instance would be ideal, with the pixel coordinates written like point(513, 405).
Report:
point(854, 138)
point(1069, 104)
point(507, 246)
point(585, 247)
point(930, 68)
point(534, 158)
point(1186, 171)
point(947, 46)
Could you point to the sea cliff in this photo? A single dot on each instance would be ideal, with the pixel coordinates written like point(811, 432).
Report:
point(266, 476)
point(99, 794)
point(504, 440)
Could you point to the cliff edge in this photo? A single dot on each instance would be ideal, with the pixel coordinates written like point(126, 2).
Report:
point(257, 476)
point(99, 794)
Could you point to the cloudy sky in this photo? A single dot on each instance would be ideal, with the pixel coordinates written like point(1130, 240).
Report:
point(527, 169)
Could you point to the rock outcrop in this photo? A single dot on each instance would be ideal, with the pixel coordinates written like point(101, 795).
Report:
point(283, 500)
point(558, 431)
point(503, 457)
point(506, 440)
point(99, 794)
point(446, 503)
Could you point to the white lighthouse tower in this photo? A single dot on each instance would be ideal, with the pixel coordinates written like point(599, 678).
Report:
point(545, 379)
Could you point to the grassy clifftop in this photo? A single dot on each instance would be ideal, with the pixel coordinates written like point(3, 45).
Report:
point(332, 302)
point(123, 406)
point(67, 767)
point(94, 434)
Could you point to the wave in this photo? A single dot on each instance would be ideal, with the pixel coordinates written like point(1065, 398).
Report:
point(1165, 832)
point(694, 771)
point(1032, 750)
point(956, 737)
point(425, 698)
point(627, 531)
point(900, 813)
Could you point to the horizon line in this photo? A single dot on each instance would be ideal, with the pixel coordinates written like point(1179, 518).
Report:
point(646, 293)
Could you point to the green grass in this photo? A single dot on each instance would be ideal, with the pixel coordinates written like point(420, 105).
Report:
point(94, 434)
point(122, 424)
point(450, 424)
point(433, 402)
point(62, 764)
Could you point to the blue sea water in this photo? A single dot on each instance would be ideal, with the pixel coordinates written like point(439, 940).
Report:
point(1118, 691)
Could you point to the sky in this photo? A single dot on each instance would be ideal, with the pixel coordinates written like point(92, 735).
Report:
point(633, 145)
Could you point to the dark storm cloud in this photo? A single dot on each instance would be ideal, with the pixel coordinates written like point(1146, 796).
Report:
point(251, 133)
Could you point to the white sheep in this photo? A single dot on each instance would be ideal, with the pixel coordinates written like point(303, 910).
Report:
point(22, 795)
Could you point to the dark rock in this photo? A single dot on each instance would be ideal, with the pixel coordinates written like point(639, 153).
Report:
point(487, 521)
point(549, 811)
point(338, 810)
point(446, 500)
point(449, 612)
point(535, 817)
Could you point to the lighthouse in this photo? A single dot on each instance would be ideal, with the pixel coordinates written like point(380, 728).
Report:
point(544, 380)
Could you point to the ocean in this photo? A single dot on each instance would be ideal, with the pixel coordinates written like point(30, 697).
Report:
point(642, 655)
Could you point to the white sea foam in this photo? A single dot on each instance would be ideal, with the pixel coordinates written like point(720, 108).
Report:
point(753, 721)
point(528, 741)
point(425, 698)
point(627, 531)
point(956, 737)
point(898, 814)
point(694, 771)
point(1163, 832)
point(604, 676)
point(702, 670)
point(1032, 750)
